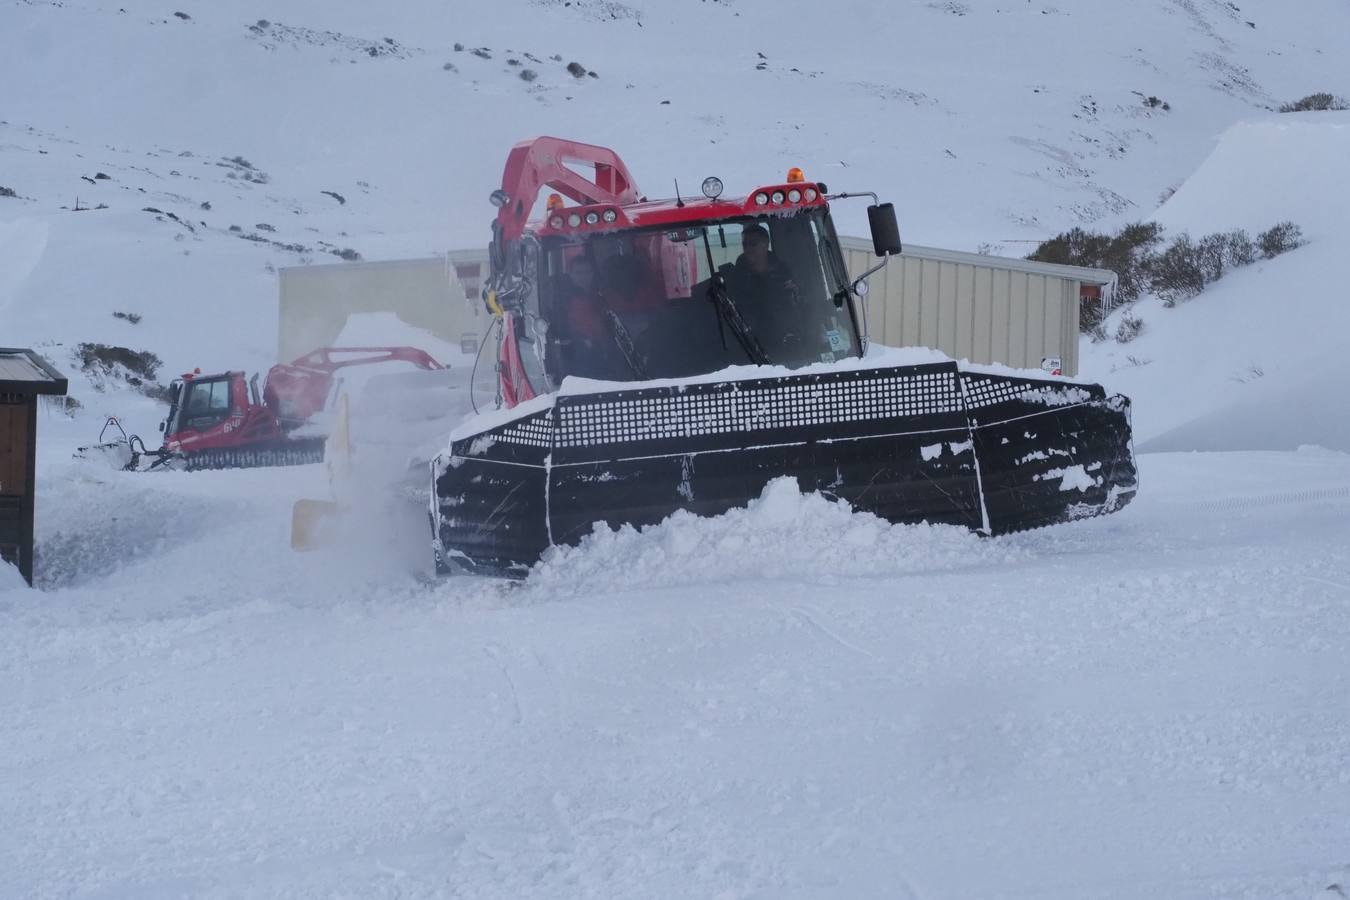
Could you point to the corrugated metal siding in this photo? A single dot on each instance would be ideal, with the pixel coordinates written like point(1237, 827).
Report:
point(978, 311)
point(985, 309)
point(315, 301)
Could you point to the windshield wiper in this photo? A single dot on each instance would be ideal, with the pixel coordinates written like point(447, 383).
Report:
point(727, 310)
point(625, 342)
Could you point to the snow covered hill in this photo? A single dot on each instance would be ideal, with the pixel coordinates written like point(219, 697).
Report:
point(260, 142)
point(1258, 361)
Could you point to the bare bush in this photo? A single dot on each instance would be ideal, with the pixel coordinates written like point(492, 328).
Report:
point(1126, 253)
point(1279, 239)
point(1178, 273)
point(1315, 103)
point(1129, 328)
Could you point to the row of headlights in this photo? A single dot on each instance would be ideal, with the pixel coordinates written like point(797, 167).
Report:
point(574, 220)
point(764, 198)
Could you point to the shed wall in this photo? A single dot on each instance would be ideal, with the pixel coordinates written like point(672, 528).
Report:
point(986, 314)
point(315, 301)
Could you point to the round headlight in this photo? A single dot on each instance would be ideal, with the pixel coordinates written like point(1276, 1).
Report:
point(761, 199)
point(712, 187)
point(777, 196)
point(810, 194)
point(556, 221)
point(574, 220)
point(794, 195)
point(610, 215)
point(592, 217)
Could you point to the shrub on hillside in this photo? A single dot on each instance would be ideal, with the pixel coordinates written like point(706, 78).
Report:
point(1314, 103)
point(1223, 251)
point(1279, 239)
point(1185, 267)
point(1130, 328)
point(1178, 273)
point(1126, 253)
point(103, 362)
point(7, 192)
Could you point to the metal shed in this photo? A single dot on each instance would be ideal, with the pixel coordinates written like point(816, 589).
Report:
point(438, 294)
point(24, 376)
point(987, 309)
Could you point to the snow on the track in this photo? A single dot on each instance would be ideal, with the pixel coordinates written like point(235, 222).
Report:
point(828, 542)
point(1148, 704)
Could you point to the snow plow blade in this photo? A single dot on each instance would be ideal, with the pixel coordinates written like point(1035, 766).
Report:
point(310, 522)
point(928, 443)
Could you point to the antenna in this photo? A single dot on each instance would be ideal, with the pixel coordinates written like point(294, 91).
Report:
point(678, 202)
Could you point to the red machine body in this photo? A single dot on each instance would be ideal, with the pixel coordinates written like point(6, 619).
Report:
point(606, 202)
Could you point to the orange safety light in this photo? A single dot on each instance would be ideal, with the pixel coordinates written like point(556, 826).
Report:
point(555, 201)
point(795, 175)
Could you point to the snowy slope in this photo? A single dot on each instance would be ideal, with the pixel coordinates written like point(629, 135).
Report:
point(787, 702)
point(1257, 361)
point(987, 122)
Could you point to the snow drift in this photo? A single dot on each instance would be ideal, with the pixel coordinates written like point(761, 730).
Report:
point(1257, 361)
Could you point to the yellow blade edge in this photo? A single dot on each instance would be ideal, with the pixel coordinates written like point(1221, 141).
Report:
point(308, 520)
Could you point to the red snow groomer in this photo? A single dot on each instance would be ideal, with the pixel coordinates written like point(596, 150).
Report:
point(619, 319)
point(223, 421)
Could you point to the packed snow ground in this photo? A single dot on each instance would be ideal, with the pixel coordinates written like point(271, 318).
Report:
point(784, 702)
point(1145, 705)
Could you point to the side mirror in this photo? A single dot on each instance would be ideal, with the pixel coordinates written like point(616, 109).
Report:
point(885, 230)
point(161, 426)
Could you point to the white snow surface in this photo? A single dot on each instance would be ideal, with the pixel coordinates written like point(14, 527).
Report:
point(789, 701)
point(1258, 360)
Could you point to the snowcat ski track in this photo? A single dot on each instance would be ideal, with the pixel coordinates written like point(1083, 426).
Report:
point(930, 443)
point(290, 453)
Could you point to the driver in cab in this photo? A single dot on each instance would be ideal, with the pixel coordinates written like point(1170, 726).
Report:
point(760, 277)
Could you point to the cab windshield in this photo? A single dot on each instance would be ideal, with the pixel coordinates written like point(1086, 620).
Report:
point(199, 404)
point(667, 303)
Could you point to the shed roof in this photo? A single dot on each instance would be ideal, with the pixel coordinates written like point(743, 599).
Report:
point(24, 372)
point(1076, 273)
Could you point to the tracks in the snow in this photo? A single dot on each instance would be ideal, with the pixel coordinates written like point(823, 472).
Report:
point(812, 618)
point(1289, 498)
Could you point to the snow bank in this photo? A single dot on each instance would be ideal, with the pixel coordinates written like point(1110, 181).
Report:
point(92, 522)
point(1287, 166)
point(1256, 362)
point(10, 579)
point(782, 535)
